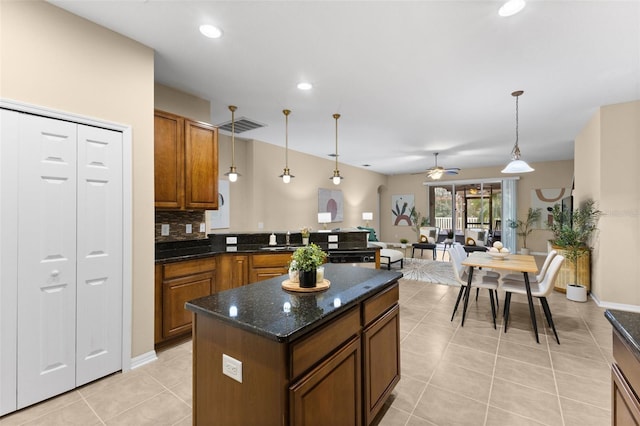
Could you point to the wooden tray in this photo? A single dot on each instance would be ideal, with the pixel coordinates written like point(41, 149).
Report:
point(291, 286)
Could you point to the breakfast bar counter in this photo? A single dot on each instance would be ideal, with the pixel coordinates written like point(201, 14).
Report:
point(263, 355)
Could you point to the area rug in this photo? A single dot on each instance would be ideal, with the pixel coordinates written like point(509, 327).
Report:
point(429, 271)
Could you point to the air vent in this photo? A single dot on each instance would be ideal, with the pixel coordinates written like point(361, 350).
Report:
point(242, 124)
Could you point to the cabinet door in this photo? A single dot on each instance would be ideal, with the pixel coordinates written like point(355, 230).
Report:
point(625, 405)
point(331, 393)
point(233, 271)
point(46, 258)
point(99, 254)
point(176, 320)
point(169, 160)
point(201, 166)
point(381, 342)
point(261, 274)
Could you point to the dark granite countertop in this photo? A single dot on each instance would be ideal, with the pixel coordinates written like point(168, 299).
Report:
point(266, 309)
point(628, 325)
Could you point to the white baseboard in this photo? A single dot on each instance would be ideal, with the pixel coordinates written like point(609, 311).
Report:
point(143, 359)
point(617, 306)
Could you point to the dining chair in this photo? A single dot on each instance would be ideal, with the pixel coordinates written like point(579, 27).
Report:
point(480, 280)
point(538, 289)
point(536, 278)
point(493, 274)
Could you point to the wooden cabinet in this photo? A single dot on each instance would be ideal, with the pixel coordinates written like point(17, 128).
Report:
point(186, 163)
point(331, 393)
point(176, 284)
point(625, 384)
point(233, 271)
point(381, 349)
point(268, 265)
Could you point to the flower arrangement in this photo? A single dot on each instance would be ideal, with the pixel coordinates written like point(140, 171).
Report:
point(305, 231)
point(307, 258)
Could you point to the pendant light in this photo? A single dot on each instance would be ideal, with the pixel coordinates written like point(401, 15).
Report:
point(232, 173)
point(286, 176)
point(517, 165)
point(336, 173)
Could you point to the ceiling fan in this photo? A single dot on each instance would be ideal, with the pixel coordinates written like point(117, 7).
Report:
point(436, 172)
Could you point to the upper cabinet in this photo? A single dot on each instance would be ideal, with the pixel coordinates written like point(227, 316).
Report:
point(186, 163)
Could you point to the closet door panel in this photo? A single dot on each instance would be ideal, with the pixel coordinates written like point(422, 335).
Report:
point(46, 258)
point(9, 134)
point(99, 268)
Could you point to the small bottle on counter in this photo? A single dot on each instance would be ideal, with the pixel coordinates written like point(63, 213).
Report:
point(288, 238)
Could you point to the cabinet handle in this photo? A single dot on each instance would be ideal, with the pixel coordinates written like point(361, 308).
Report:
point(55, 273)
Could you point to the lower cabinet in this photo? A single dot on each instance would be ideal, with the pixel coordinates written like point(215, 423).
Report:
point(178, 283)
point(265, 266)
point(625, 384)
point(233, 270)
point(331, 393)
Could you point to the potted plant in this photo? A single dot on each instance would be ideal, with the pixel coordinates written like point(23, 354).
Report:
point(306, 260)
point(525, 227)
point(403, 242)
point(417, 221)
point(573, 236)
point(305, 231)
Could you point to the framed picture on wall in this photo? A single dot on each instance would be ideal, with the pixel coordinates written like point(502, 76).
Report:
point(219, 219)
point(330, 200)
point(401, 206)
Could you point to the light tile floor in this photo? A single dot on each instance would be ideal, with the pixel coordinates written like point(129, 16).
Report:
point(451, 375)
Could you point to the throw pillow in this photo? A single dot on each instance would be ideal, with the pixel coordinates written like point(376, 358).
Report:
point(431, 240)
point(480, 237)
point(372, 233)
point(470, 242)
point(423, 238)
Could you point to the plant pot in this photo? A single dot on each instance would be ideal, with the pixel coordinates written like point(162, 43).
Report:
point(305, 241)
point(524, 251)
point(308, 278)
point(576, 292)
point(403, 245)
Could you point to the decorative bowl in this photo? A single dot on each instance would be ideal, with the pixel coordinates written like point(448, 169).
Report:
point(498, 255)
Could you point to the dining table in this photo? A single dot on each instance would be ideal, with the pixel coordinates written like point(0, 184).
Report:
point(514, 263)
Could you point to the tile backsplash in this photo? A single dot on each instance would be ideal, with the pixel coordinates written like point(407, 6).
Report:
point(178, 221)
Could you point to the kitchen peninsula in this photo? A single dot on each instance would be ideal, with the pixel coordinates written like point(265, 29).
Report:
point(189, 269)
point(263, 355)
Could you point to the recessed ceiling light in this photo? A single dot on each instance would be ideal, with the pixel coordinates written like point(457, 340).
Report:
point(511, 7)
point(210, 31)
point(305, 86)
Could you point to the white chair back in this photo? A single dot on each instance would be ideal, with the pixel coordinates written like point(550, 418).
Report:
point(545, 265)
point(546, 285)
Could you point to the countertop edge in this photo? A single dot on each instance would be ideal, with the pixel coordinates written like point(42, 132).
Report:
point(622, 330)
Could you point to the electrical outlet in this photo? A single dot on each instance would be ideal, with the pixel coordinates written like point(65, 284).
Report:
point(202, 227)
point(232, 367)
point(188, 228)
point(260, 225)
point(164, 229)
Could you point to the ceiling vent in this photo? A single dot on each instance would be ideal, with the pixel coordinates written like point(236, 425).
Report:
point(242, 124)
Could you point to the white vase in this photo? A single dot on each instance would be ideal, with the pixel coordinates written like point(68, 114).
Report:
point(305, 241)
point(524, 251)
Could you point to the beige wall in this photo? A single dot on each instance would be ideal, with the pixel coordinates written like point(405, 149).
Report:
point(608, 154)
point(553, 174)
point(54, 59)
point(171, 100)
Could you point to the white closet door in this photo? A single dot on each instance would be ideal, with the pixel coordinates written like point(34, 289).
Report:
point(46, 258)
point(99, 236)
point(9, 135)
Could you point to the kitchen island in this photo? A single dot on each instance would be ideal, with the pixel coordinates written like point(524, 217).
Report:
point(263, 355)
